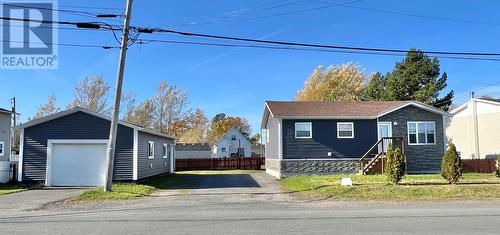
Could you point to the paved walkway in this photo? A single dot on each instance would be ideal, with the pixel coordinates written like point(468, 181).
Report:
point(34, 199)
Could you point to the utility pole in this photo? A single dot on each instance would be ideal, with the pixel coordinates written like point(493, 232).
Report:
point(110, 155)
point(13, 100)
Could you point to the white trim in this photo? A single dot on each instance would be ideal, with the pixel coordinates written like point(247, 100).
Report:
point(165, 147)
point(280, 141)
point(418, 105)
point(310, 130)
point(2, 153)
point(345, 137)
point(51, 142)
point(152, 148)
point(328, 117)
point(416, 126)
point(21, 152)
point(135, 167)
point(445, 137)
point(172, 158)
point(464, 105)
point(80, 109)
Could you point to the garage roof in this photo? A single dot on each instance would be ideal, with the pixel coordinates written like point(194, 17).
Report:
point(80, 109)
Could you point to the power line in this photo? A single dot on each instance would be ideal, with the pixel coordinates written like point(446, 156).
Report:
point(73, 12)
point(146, 41)
point(319, 45)
point(64, 44)
point(413, 15)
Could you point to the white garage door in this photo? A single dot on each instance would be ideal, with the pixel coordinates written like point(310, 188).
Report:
point(78, 164)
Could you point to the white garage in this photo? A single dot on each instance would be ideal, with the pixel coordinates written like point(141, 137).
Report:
point(76, 162)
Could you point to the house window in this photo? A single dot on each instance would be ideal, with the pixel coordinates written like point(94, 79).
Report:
point(151, 149)
point(2, 147)
point(303, 130)
point(164, 150)
point(233, 137)
point(420, 133)
point(345, 130)
point(223, 150)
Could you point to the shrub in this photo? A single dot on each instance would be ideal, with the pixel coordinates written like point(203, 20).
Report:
point(451, 165)
point(497, 172)
point(395, 165)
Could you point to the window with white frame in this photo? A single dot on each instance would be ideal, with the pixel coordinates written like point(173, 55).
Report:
point(421, 133)
point(165, 151)
point(233, 137)
point(2, 148)
point(303, 130)
point(223, 150)
point(151, 149)
point(345, 130)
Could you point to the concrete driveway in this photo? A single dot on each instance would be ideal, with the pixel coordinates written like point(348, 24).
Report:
point(35, 199)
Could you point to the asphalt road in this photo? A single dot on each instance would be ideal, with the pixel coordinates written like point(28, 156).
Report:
point(257, 210)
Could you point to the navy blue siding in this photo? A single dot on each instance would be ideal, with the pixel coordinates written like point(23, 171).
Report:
point(324, 139)
point(79, 125)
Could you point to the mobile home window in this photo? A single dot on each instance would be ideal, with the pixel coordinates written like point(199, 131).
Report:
point(421, 133)
point(303, 130)
point(345, 130)
point(165, 150)
point(2, 144)
point(151, 149)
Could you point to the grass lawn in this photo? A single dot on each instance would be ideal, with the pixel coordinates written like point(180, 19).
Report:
point(119, 192)
point(412, 188)
point(14, 188)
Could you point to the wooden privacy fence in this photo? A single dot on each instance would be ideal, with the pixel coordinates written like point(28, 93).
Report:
point(234, 163)
point(479, 165)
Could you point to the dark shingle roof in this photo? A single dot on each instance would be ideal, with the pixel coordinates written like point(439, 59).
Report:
point(192, 147)
point(333, 109)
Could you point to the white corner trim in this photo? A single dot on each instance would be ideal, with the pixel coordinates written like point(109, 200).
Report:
point(135, 155)
point(172, 158)
point(280, 141)
point(51, 142)
point(21, 152)
point(445, 137)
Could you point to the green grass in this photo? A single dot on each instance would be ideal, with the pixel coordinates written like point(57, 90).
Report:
point(412, 188)
point(9, 188)
point(119, 191)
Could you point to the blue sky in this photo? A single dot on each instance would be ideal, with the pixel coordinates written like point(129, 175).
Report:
point(238, 81)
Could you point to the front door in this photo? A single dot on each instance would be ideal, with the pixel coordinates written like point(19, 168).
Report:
point(384, 130)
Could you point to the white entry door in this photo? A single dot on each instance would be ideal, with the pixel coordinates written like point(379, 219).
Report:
point(77, 164)
point(384, 130)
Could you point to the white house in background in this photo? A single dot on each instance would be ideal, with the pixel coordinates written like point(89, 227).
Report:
point(5, 133)
point(233, 143)
point(191, 151)
point(474, 128)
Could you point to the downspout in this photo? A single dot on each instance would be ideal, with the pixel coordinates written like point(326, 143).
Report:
point(475, 127)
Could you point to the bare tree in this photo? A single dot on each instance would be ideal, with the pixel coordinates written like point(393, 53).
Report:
point(142, 115)
point(46, 109)
point(92, 93)
point(170, 104)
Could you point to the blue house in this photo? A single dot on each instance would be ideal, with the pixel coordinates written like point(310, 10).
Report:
point(350, 137)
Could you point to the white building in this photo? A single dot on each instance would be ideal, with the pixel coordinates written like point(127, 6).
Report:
point(192, 151)
point(233, 143)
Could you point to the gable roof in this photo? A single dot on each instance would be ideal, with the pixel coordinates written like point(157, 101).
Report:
point(486, 101)
point(337, 110)
point(99, 115)
point(192, 147)
point(229, 131)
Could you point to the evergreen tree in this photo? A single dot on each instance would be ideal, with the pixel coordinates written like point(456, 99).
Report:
point(451, 165)
point(418, 77)
point(375, 89)
point(395, 165)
